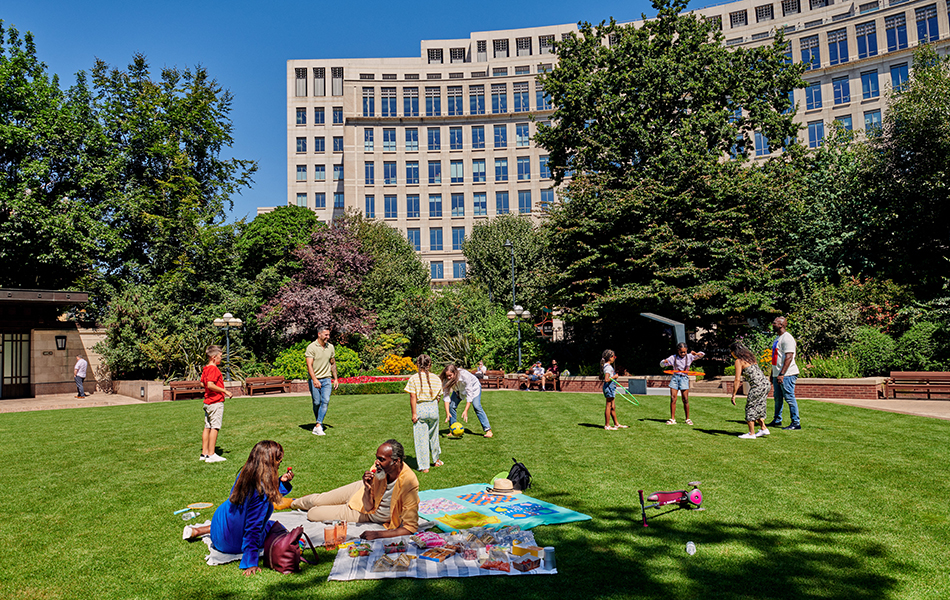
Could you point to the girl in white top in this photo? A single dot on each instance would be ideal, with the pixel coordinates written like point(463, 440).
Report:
point(456, 384)
point(424, 389)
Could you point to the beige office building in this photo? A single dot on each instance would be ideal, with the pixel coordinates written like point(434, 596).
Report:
point(435, 144)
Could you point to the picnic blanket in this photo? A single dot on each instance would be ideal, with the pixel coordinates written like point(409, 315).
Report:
point(521, 510)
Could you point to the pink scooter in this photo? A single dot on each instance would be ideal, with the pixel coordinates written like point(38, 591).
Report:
point(689, 499)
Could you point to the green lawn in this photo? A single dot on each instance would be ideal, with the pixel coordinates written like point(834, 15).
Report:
point(852, 506)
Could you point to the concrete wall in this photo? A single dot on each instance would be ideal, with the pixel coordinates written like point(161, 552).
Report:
point(149, 391)
point(51, 370)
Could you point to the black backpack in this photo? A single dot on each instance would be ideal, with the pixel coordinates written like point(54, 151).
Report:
point(520, 476)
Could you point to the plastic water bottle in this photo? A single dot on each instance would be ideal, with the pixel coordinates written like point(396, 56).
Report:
point(189, 515)
point(690, 548)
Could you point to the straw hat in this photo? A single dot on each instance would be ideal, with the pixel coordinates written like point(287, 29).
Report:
point(503, 487)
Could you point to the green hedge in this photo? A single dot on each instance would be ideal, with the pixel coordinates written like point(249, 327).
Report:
point(378, 387)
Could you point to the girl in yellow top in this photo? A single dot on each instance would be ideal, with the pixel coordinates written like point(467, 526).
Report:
point(424, 391)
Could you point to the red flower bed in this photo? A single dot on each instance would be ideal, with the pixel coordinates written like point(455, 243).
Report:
point(371, 379)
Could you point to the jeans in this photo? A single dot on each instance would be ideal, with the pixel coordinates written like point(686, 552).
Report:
point(79, 384)
point(785, 392)
point(476, 404)
point(321, 397)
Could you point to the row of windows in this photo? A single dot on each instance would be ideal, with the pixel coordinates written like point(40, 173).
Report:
point(766, 12)
point(437, 269)
point(454, 100)
point(320, 200)
point(456, 172)
point(433, 139)
point(523, 46)
point(841, 87)
point(816, 129)
point(319, 115)
point(413, 207)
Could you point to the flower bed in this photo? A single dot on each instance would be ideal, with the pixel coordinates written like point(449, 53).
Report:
point(394, 386)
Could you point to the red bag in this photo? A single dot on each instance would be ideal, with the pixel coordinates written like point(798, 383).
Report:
point(282, 549)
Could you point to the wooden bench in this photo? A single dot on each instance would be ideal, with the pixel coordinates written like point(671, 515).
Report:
point(265, 384)
point(918, 384)
point(188, 389)
point(536, 383)
point(493, 379)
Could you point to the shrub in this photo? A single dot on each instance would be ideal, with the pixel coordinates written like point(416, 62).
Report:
point(397, 365)
point(874, 351)
point(917, 349)
point(840, 365)
point(729, 371)
point(291, 363)
point(377, 387)
point(347, 362)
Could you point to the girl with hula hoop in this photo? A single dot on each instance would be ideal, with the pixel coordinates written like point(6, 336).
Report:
point(679, 363)
point(610, 390)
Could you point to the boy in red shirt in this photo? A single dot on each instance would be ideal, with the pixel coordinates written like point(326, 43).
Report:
point(214, 404)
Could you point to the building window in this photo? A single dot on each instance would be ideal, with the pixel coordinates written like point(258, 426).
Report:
point(368, 139)
point(435, 56)
point(301, 144)
point(435, 238)
point(547, 198)
point(896, 29)
point(389, 207)
point(301, 172)
point(811, 53)
point(370, 210)
point(869, 85)
point(454, 98)
point(369, 102)
point(436, 270)
point(791, 7)
point(872, 120)
point(524, 168)
point(338, 200)
point(387, 97)
point(434, 138)
point(816, 4)
point(337, 115)
point(813, 95)
point(478, 137)
point(844, 122)
point(867, 39)
point(410, 101)
point(302, 116)
point(319, 116)
point(816, 133)
point(412, 172)
point(389, 173)
point(927, 24)
point(412, 139)
point(543, 100)
point(738, 19)
point(458, 269)
point(524, 70)
point(499, 98)
point(481, 50)
point(435, 207)
point(500, 48)
point(761, 145)
point(455, 138)
point(501, 136)
point(523, 46)
point(524, 202)
point(337, 143)
point(435, 171)
point(456, 55)
point(838, 46)
point(546, 44)
point(413, 234)
point(300, 88)
point(501, 203)
point(521, 135)
point(433, 102)
point(319, 81)
point(764, 13)
point(389, 140)
point(412, 206)
point(478, 170)
point(899, 76)
point(457, 171)
point(319, 172)
point(501, 169)
point(842, 90)
point(521, 97)
point(369, 173)
point(320, 200)
point(458, 237)
point(480, 204)
point(337, 172)
point(458, 205)
point(302, 198)
point(476, 99)
point(544, 171)
point(869, 7)
point(336, 73)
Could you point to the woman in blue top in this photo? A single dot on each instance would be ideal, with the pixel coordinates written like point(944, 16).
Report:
point(241, 523)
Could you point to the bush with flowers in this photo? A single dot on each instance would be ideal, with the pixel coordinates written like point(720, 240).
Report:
point(397, 365)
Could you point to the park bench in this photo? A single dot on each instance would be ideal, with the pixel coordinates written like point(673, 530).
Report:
point(918, 384)
point(266, 384)
point(536, 384)
point(187, 389)
point(493, 379)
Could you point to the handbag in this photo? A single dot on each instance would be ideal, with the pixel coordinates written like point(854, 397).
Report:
point(282, 549)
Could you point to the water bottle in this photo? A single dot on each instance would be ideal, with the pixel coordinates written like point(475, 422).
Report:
point(189, 515)
point(690, 548)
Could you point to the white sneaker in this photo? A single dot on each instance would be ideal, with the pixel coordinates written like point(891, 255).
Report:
point(215, 458)
point(762, 433)
point(203, 458)
point(747, 436)
point(318, 430)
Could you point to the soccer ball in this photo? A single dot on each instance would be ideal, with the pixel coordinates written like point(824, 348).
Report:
point(456, 429)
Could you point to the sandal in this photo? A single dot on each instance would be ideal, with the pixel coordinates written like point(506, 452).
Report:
point(671, 422)
point(619, 426)
point(439, 463)
point(609, 428)
point(489, 434)
point(688, 422)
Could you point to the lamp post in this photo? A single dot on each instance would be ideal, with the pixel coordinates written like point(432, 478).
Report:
point(227, 322)
point(517, 312)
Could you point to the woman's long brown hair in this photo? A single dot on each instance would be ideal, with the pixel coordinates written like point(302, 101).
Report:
point(449, 377)
point(259, 473)
point(423, 364)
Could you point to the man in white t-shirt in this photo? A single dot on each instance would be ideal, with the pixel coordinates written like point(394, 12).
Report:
point(784, 375)
point(79, 372)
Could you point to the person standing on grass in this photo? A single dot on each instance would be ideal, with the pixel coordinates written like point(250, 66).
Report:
point(457, 384)
point(424, 389)
point(784, 374)
point(609, 376)
point(755, 403)
point(215, 392)
point(321, 365)
point(680, 361)
point(79, 372)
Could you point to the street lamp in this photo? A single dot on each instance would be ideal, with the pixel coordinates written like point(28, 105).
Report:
point(517, 312)
point(227, 322)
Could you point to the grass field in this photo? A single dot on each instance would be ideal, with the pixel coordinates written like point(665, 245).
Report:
point(854, 506)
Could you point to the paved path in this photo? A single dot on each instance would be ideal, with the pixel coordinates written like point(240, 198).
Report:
point(937, 409)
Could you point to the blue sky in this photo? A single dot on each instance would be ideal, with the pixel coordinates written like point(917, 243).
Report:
point(245, 46)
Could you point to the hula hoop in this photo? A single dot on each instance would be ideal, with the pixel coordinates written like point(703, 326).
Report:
point(200, 505)
point(670, 372)
point(627, 395)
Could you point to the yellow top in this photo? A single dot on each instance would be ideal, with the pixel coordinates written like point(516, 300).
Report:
point(426, 386)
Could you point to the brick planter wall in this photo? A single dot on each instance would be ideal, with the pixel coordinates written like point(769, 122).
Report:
point(866, 388)
point(592, 384)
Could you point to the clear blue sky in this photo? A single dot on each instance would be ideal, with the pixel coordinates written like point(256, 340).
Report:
point(245, 46)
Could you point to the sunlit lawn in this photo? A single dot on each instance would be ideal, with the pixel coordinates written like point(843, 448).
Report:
point(853, 506)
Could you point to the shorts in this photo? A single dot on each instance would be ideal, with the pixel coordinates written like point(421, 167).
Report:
point(679, 381)
point(214, 413)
